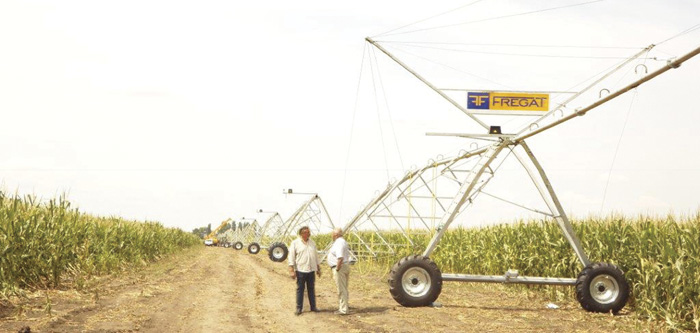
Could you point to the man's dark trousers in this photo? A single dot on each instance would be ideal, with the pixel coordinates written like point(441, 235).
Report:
point(308, 280)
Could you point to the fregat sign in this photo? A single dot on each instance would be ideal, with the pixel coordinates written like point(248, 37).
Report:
point(484, 101)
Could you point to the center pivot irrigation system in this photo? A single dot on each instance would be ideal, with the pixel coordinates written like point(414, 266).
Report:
point(430, 198)
point(245, 234)
point(311, 213)
point(271, 236)
point(275, 233)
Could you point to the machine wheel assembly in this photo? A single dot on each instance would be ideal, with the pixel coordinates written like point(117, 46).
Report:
point(415, 281)
point(278, 252)
point(601, 287)
point(238, 245)
point(253, 248)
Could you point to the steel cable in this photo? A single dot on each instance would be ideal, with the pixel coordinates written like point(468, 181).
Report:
point(379, 119)
point(425, 19)
point(388, 111)
point(495, 18)
point(352, 130)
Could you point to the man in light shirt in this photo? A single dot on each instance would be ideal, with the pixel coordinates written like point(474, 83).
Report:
point(339, 260)
point(303, 265)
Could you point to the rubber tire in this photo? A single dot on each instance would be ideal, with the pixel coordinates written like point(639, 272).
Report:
point(583, 291)
point(237, 245)
point(396, 288)
point(274, 246)
point(253, 248)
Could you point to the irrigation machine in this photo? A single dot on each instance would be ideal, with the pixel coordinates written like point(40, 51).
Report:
point(244, 235)
point(278, 234)
point(428, 199)
point(271, 236)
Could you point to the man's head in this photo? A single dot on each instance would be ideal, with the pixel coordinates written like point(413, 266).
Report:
point(337, 232)
point(304, 232)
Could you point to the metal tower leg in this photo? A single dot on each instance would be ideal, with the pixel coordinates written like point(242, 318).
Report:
point(547, 192)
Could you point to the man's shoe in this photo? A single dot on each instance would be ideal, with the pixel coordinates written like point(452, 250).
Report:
point(297, 312)
point(340, 313)
point(315, 310)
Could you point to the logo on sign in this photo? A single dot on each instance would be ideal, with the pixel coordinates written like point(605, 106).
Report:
point(478, 100)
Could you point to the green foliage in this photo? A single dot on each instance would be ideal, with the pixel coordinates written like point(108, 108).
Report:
point(322, 240)
point(43, 243)
point(200, 232)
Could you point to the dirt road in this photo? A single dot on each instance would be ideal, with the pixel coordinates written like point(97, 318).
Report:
point(224, 290)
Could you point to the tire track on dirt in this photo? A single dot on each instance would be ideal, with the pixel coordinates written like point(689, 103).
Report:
point(264, 297)
point(120, 304)
point(199, 299)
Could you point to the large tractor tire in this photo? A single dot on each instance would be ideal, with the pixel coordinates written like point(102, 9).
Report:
point(253, 248)
point(415, 281)
point(601, 287)
point(238, 245)
point(278, 252)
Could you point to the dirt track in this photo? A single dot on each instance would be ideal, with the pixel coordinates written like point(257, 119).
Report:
point(224, 290)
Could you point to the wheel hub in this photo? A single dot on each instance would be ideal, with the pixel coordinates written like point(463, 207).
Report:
point(416, 282)
point(604, 289)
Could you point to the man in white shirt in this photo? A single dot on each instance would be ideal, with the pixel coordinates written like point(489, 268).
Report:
point(303, 264)
point(339, 260)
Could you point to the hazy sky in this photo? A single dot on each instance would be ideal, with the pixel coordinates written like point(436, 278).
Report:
point(190, 112)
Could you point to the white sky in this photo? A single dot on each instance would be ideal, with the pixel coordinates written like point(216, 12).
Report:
point(191, 112)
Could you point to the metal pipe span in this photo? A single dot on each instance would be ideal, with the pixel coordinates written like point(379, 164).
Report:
point(635, 84)
point(508, 280)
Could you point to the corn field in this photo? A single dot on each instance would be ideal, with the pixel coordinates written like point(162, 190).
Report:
point(43, 244)
point(660, 257)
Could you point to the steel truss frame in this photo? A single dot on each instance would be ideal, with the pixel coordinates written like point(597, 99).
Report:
point(311, 213)
point(272, 230)
point(437, 193)
point(226, 237)
point(408, 207)
point(247, 234)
